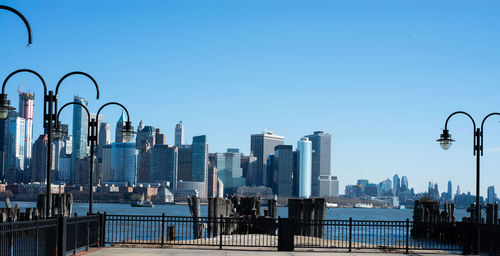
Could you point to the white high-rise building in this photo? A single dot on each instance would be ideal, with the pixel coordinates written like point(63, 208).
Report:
point(304, 149)
point(179, 134)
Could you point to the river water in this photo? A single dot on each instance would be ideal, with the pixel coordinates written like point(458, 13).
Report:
point(183, 210)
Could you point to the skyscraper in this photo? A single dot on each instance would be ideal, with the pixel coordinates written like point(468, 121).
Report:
point(450, 193)
point(39, 159)
point(107, 170)
point(164, 164)
point(26, 103)
point(179, 134)
point(185, 163)
point(145, 141)
point(304, 149)
point(80, 132)
point(262, 145)
point(396, 184)
point(159, 137)
point(322, 174)
point(283, 165)
point(199, 158)
point(119, 128)
point(15, 147)
point(124, 162)
point(229, 170)
point(491, 195)
point(404, 184)
point(104, 139)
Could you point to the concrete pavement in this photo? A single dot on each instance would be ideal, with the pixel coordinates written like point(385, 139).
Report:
point(115, 251)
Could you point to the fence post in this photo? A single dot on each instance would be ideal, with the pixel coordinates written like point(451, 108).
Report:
point(36, 226)
point(61, 235)
point(220, 231)
point(11, 239)
point(407, 235)
point(103, 230)
point(76, 235)
point(350, 234)
point(162, 229)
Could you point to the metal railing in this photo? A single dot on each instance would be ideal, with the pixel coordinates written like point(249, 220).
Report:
point(51, 236)
point(264, 232)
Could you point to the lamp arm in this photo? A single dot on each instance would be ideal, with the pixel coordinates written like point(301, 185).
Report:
point(482, 125)
point(473, 124)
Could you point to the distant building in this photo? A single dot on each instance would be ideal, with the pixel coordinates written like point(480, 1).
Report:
point(261, 146)
point(384, 188)
point(492, 197)
point(450, 192)
point(212, 182)
point(16, 150)
point(283, 166)
point(26, 104)
point(353, 191)
point(145, 141)
point(396, 184)
point(159, 137)
point(124, 162)
point(39, 159)
point(119, 128)
point(304, 149)
point(80, 133)
point(164, 164)
point(199, 158)
point(193, 185)
point(404, 184)
point(185, 163)
point(321, 163)
point(179, 134)
point(229, 170)
point(107, 170)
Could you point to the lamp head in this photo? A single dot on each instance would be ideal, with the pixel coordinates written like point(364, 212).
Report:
point(128, 131)
point(445, 140)
point(4, 106)
point(57, 132)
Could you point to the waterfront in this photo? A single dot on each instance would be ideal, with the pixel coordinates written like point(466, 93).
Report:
point(183, 210)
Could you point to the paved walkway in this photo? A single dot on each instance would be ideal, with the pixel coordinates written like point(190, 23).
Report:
point(111, 251)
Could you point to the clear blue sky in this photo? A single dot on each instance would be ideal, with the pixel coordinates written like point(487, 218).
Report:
point(380, 76)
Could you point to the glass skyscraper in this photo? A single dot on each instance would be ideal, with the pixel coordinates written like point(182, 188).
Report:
point(304, 149)
point(323, 181)
point(199, 158)
point(229, 170)
point(80, 132)
point(164, 164)
point(124, 163)
point(261, 146)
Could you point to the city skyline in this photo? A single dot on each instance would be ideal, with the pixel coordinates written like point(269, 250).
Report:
point(384, 101)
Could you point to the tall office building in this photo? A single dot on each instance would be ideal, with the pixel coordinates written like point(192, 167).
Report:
point(62, 152)
point(179, 134)
point(404, 184)
point(199, 158)
point(107, 170)
point(80, 132)
point(3, 146)
point(212, 181)
point(491, 195)
point(15, 148)
point(261, 146)
point(124, 163)
point(145, 141)
point(119, 128)
point(323, 182)
point(283, 167)
point(396, 185)
point(185, 163)
point(103, 139)
point(26, 104)
point(450, 192)
point(164, 164)
point(304, 149)
point(39, 159)
point(229, 170)
point(159, 137)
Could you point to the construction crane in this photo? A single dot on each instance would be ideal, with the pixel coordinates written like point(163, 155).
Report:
point(20, 88)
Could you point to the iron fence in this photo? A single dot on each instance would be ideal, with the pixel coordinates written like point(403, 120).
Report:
point(53, 236)
point(265, 232)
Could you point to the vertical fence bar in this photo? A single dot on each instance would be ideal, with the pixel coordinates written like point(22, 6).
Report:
point(350, 234)
point(36, 244)
point(407, 235)
point(162, 230)
point(220, 230)
point(11, 239)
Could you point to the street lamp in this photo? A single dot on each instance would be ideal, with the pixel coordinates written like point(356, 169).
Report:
point(92, 136)
point(49, 113)
point(445, 141)
point(3, 7)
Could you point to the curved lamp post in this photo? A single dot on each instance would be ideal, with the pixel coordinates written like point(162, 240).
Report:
point(93, 135)
point(3, 7)
point(445, 141)
point(49, 114)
